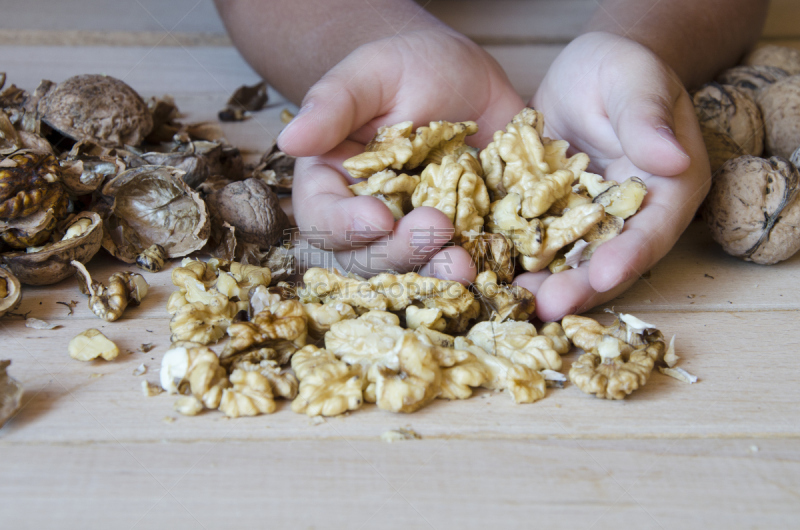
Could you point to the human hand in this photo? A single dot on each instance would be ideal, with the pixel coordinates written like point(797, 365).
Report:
point(421, 76)
point(615, 100)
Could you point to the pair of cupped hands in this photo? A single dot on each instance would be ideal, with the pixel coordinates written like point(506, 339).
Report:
point(608, 96)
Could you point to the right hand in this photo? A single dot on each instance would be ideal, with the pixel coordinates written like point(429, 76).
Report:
point(422, 76)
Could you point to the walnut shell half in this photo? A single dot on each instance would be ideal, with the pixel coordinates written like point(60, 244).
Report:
point(51, 264)
point(753, 209)
point(99, 108)
point(154, 206)
point(10, 291)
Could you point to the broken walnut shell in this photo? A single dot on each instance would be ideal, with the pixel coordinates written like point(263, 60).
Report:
point(51, 264)
point(96, 107)
point(252, 208)
point(153, 205)
point(10, 291)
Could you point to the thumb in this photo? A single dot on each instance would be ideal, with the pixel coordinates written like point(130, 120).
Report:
point(346, 98)
point(641, 113)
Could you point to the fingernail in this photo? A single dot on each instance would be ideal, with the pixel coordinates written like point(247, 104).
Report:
point(667, 134)
point(303, 110)
point(364, 229)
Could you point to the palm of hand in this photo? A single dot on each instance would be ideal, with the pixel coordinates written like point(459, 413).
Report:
point(419, 77)
point(613, 100)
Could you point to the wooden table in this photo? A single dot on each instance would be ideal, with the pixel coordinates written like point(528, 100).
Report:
point(88, 450)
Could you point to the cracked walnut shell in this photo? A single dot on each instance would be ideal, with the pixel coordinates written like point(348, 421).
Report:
point(110, 302)
point(52, 263)
point(252, 208)
point(10, 292)
point(153, 205)
point(98, 108)
point(30, 181)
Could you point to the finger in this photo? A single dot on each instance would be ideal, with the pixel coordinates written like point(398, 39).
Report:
point(416, 238)
point(568, 292)
point(641, 112)
point(326, 210)
point(668, 208)
point(346, 98)
point(451, 263)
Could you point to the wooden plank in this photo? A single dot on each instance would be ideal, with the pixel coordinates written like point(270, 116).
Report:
point(742, 483)
point(69, 401)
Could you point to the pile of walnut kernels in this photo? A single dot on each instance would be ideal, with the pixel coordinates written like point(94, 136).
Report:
point(403, 340)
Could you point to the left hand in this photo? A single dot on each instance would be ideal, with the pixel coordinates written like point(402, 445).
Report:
point(617, 101)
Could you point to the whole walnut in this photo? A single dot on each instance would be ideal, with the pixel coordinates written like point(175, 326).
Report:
point(98, 108)
point(780, 106)
point(751, 79)
point(781, 56)
point(753, 209)
point(252, 208)
point(730, 121)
